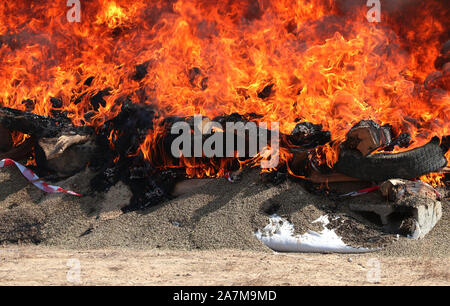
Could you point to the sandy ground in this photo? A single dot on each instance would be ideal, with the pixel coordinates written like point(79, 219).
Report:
point(49, 266)
point(215, 215)
point(205, 236)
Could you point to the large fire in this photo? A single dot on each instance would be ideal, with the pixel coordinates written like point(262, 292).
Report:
point(316, 61)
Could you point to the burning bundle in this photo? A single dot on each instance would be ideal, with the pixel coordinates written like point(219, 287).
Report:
point(354, 100)
point(62, 149)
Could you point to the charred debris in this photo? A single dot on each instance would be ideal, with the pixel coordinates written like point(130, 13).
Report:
point(113, 152)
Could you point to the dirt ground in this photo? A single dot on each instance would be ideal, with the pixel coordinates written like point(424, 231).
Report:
point(40, 265)
point(215, 215)
point(204, 236)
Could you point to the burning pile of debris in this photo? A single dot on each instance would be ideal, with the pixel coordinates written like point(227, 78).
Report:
point(121, 125)
point(61, 149)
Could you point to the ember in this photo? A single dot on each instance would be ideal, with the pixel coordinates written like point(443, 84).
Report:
point(355, 100)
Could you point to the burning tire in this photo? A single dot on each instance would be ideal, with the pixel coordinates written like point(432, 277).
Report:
point(383, 166)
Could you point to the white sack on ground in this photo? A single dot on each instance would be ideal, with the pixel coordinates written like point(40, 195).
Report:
point(279, 236)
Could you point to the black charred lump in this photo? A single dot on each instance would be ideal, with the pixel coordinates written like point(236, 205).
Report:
point(56, 103)
point(150, 186)
point(131, 126)
point(60, 116)
point(274, 177)
point(140, 71)
point(39, 126)
point(88, 116)
point(88, 81)
point(149, 190)
point(105, 179)
point(445, 143)
point(234, 117)
point(140, 169)
point(308, 135)
point(29, 104)
point(403, 141)
point(98, 98)
point(266, 92)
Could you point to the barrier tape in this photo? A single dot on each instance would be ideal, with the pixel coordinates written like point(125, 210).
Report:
point(360, 192)
point(228, 177)
point(34, 179)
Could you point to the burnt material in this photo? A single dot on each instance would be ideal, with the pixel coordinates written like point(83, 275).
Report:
point(367, 136)
point(300, 162)
point(38, 126)
point(141, 72)
point(403, 141)
point(308, 135)
point(266, 92)
point(29, 104)
point(56, 103)
point(445, 143)
point(383, 166)
point(28, 123)
point(119, 140)
point(114, 151)
point(22, 151)
point(120, 161)
point(88, 81)
point(98, 100)
point(5, 139)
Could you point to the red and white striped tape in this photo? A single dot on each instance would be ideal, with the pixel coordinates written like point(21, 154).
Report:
point(33, 178)
point(360, 192)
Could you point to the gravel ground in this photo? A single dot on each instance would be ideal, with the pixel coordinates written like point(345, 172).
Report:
point(207, 230)
point(215, 215)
